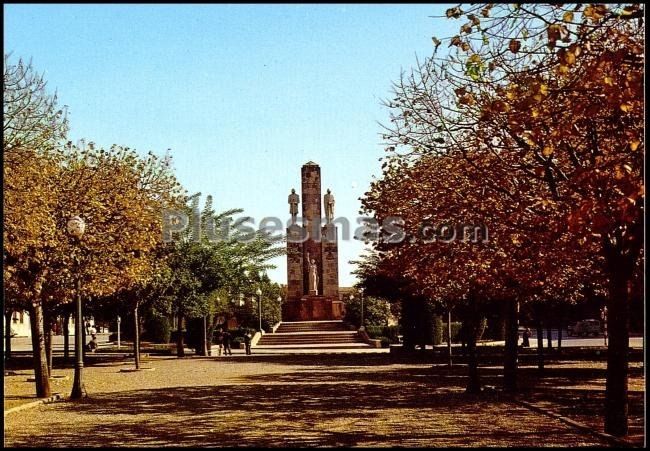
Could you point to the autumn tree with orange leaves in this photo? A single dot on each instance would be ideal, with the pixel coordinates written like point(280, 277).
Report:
point(118, 193)
point(544, 104)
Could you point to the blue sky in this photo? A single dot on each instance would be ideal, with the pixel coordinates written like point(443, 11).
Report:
point(243, 95)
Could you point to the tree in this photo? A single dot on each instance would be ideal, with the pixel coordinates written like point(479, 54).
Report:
point(548, 97)
point(121, 204)
point(376, 311)
point(210, 265)
point(32, 118)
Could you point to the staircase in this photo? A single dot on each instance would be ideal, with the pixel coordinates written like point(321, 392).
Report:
point(311, 335)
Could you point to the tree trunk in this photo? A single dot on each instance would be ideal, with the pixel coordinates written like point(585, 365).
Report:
point(474, 381)
point(511, 351)
point(540, 345)
point(559, 336)
point(41, 373)
point(8, 315)
point(616, 390)
point(66, 336)
point(47, 326)
point(549, 336)
point(203, 348)
point(450, 363)
point(136, 337)
point(622, 247)
point(180, 346)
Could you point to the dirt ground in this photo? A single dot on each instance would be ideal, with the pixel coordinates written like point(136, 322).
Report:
point(298, 400)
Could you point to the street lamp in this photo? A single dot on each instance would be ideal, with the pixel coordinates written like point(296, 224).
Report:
point(119, 321)
point(352, 300)
point(361, 290)
point(259, 296)
point(76, 227)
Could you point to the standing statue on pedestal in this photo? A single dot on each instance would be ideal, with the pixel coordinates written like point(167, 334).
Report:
point(313, 276)
point(294, 199)
point(328, 200)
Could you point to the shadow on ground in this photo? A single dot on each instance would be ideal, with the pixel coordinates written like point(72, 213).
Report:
point(336, 404)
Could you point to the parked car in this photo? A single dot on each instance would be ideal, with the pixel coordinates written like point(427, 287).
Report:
point(584, 328)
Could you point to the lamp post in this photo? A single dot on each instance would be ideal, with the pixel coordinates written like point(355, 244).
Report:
point(259, 300)
point(361, 291)
point(119, 320)
point(76, 227)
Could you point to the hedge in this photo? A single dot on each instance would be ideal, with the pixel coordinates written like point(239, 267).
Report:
point(456, 327)
point(389, 332)
point(455, 331)
point(157, 329)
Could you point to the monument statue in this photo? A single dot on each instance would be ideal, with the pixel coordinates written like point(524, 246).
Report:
point(329, 206)
point(312, 292)
point(294, 199)
point(313, 276)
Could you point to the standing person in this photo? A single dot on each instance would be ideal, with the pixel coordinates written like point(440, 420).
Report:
point(525, 343)
point(247, 342)
point(226, 343)
point(220, 340)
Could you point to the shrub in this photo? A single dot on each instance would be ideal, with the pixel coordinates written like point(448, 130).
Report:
point(456, 328)
point(374, 331)
point(496, 328)
point(157, 329)
point(437, 330)
point(385, 342)
point(481, 328)
point(389, 332)
point(455, 331)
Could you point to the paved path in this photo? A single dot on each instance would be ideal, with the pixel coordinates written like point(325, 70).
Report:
point(21, 344)
point(25, 344)
point(272, 400)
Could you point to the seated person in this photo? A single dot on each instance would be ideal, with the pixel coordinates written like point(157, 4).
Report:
point(92, 344)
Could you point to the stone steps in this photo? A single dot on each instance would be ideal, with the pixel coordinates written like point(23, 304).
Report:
point(315, 346)
point(311, 334)
point(312, 341)
point(312, 326)
point(316, 338)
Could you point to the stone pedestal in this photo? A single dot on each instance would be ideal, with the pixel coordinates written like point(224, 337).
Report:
point(310, 308)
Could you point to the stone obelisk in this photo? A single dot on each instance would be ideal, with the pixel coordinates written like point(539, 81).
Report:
point(312, 256)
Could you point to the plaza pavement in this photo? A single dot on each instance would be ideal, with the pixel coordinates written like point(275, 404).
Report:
point(22, 344)
point(360, 399)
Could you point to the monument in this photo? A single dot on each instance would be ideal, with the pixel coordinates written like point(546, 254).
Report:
point(312, 254)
